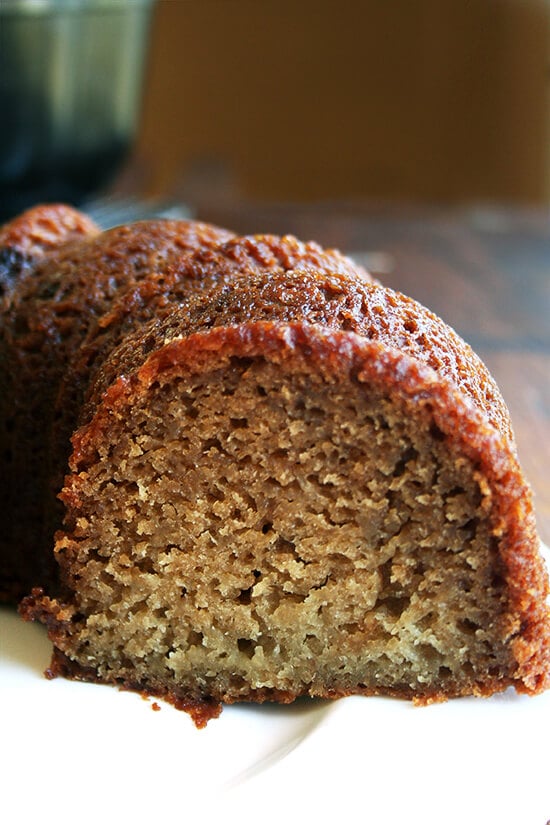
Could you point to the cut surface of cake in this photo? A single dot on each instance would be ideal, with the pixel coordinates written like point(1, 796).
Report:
point(270, 510)
point(287, 480)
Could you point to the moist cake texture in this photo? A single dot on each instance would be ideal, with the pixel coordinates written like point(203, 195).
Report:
point(285, 480)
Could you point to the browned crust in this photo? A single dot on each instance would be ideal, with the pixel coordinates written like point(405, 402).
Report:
point(243, 255)
point(323, 297)
point(42, 229)
point(86, 275)
point(345, 356)
point(235, 262)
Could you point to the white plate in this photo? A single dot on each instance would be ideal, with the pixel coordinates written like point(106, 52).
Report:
point(76, 752)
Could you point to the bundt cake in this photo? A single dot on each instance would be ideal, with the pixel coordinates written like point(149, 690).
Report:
point(285, 480)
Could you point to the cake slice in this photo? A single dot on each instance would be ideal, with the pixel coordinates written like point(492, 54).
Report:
point(297, 485)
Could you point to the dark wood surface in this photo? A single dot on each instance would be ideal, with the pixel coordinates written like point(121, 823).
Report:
point(485, 271)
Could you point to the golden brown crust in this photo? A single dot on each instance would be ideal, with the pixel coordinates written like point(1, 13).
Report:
point(35, 234)
point(44, 228)
point(68, 291)
point(322, 297)
point(235, 260)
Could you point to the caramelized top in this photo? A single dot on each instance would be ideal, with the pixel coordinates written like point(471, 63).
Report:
point(35, 234)
point(322, 298)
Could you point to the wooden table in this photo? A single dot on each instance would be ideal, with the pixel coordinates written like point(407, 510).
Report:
point(486, 272)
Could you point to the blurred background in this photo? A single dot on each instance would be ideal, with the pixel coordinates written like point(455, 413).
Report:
point(430, 101)
point(416, 100)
